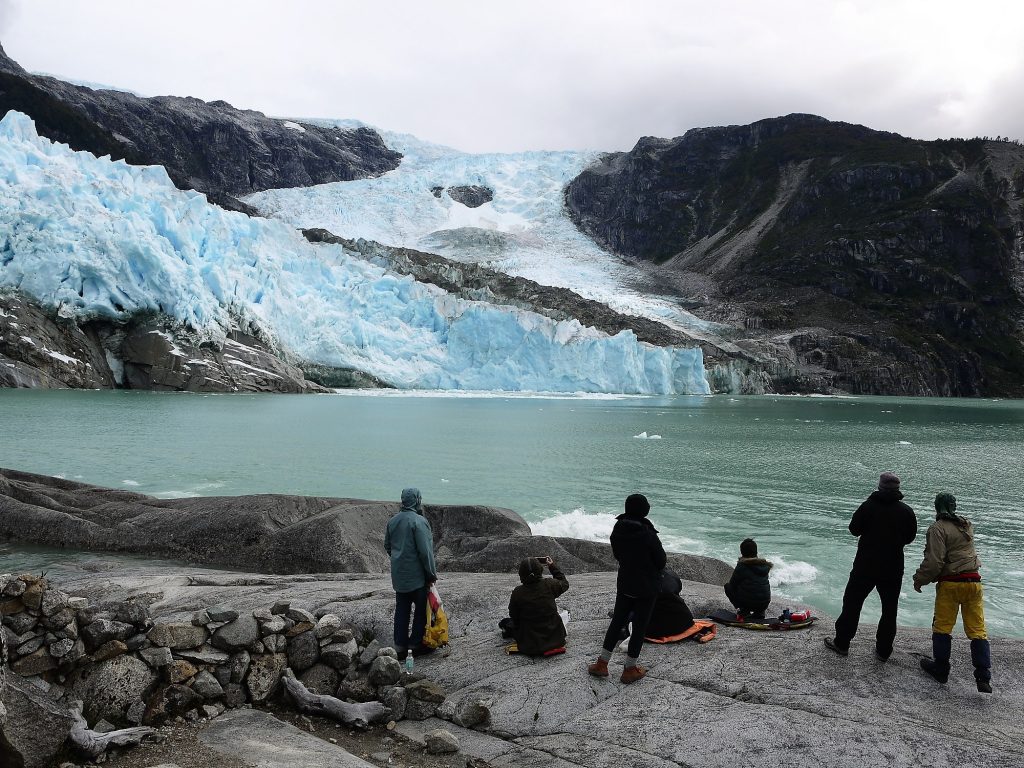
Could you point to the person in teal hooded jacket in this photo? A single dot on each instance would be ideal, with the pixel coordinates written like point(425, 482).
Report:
point(410, 542)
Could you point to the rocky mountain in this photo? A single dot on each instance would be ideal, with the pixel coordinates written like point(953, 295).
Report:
point(848, 259)
point(211, 147)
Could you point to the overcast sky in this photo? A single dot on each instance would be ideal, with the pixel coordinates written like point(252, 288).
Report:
point(485, 75)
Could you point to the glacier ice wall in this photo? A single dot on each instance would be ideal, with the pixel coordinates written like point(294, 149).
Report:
point(97, 238)
point(523, 231)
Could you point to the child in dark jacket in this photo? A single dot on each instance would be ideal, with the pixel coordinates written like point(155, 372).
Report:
point(748, 589)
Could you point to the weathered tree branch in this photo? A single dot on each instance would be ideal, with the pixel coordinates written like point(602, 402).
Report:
point(359, 715)
point(91, 744)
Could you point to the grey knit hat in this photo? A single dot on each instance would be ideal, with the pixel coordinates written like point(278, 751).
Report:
point(887, 481)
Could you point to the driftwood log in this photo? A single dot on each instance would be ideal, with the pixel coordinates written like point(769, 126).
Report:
point(308, 703)
point(91, 744)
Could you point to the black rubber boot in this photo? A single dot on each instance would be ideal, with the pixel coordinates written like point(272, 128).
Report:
point(981, 657)
point(938, 665)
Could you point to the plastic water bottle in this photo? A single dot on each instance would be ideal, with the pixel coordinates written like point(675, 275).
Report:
point(408, 662)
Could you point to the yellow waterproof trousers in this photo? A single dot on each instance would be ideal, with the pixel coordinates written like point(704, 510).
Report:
point(952, 597)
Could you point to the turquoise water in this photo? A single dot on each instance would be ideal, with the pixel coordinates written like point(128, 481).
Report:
point(788, 471)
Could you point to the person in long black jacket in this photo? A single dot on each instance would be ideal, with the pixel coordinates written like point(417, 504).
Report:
point(641, 557)
point(885, 526)
point(671, 615)
point(536, 625)
point(748, 588)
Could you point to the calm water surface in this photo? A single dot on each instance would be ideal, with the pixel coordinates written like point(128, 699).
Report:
point(787, 471)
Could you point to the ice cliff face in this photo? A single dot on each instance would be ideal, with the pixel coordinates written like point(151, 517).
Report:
point(91, 238)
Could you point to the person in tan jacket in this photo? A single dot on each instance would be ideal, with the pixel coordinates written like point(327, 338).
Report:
point(951, 561)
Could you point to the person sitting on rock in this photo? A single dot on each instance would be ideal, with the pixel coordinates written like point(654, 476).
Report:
point(671, 615)
point(748, 589)
point(641, 557)
point(951, 561)
point(537, 625)
point(410, 542)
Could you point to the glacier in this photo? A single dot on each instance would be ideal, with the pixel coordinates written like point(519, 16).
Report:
point(92, 238)
point(524, 231)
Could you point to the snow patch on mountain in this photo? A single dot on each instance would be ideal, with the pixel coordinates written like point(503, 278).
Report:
point(95, 238)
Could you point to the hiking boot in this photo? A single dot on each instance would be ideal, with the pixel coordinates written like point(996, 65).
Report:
point(632, 674)
point(832, 645)
point(882, 657)
point(599, 668)
point(422, 650)
point(984, 686)
point(929, 666)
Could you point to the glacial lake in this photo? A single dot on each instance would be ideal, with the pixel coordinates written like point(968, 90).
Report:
point(788, 471)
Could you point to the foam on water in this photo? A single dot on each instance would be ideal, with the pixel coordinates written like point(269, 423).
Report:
point(577, 524)
point(785, 573)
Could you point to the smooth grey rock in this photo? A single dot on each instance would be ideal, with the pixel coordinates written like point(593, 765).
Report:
point(200, 618)
point(261, 740)
point(53, 601)
point(280, 607)
point(303, 651)
point(210, 711)
point(321, 679)
point(471, 712)
point(327, 625)
point(107, 689)
point(426, 690)
point(273, 626)
point(177, 636)
point(299, 615)
point(137, 642)
point(222, 612)
point(265, 676)
point(101, 631)
point(240, 633)
point(442, 742)
point(156, 657)
point(103, 726)
point(239, 666)
point(203, 655)
point(206, 685)
point(109, 650)
point(340, 655)
point(36, 725)
point(389, 652)
point(384, 670)
point(369, 653)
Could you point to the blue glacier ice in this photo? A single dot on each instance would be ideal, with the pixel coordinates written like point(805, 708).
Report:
point(523, 231)
point(95, 238)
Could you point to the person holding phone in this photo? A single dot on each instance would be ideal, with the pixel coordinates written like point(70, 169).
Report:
point(537, 625)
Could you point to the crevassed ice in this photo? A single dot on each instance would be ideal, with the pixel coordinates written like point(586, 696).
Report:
point(102, 238)
point(523, 231)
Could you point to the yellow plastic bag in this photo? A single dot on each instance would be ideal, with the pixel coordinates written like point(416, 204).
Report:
point(436, 633)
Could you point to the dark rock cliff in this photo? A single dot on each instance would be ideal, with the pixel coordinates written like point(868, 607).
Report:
point(850, 259)
point(208, 146)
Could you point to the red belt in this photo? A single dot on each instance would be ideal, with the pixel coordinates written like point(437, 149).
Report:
point(966, 576)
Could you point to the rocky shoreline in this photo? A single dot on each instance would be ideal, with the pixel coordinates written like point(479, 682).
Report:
point(744, 697)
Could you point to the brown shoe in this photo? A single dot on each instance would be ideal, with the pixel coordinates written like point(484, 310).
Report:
point(632, 674)
point(599, 668)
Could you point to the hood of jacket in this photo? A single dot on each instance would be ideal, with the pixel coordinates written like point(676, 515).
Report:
point(642, 525)
point(757, 564)
point(889, 495)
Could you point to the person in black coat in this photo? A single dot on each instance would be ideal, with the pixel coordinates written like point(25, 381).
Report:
point(671, 615)
point(641, 558)
point(885, 526)
point(748, 588)
point(536, 624)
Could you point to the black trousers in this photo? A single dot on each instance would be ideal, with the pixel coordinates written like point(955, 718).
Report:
point(640, 608)
point(860, 585)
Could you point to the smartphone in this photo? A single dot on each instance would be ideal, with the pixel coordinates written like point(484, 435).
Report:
point(544, 559)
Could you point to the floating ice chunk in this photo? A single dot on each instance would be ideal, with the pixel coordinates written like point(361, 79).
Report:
point(445, 481)
point(645, 436)
point(903, 442)
point(129, 482)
